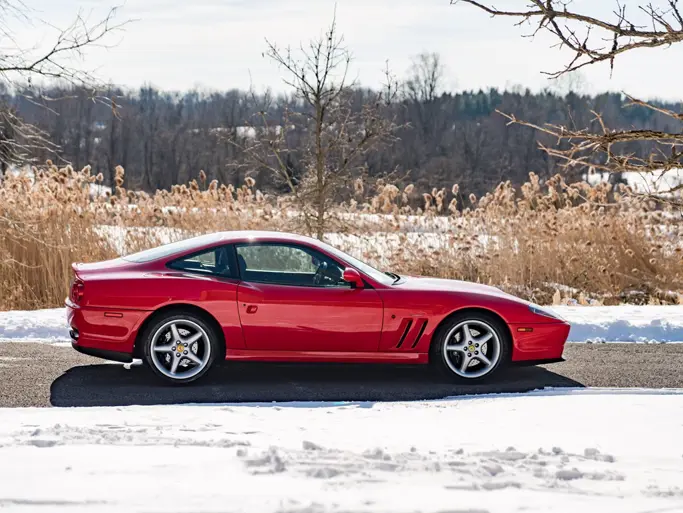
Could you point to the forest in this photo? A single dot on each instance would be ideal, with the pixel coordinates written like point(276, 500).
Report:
point(164, 138)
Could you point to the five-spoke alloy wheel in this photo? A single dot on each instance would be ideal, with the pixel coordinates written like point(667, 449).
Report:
point(470, 346)
point(180, 347)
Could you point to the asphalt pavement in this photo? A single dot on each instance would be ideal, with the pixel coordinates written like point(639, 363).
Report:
point(33, 374)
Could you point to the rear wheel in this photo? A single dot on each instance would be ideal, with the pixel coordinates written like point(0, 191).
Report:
point(180, 347)
point(470, 346)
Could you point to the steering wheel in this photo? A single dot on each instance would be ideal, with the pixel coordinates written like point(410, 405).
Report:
point(320, 273)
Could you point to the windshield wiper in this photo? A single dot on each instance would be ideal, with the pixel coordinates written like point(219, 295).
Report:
point(395, 276)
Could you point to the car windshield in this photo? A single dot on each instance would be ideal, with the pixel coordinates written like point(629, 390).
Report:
point(361, 266)
point(169, 249)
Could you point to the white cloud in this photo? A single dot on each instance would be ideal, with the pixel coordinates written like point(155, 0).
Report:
point(218, 44)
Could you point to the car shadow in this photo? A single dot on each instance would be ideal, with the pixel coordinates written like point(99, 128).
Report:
point(234, 382)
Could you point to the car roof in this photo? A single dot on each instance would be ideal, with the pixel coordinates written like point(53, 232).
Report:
point(192, 244)
point(251, 235)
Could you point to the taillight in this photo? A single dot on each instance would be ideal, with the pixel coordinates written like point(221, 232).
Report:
point(77, 290)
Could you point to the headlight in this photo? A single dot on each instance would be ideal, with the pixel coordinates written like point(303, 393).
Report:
point(545, 313)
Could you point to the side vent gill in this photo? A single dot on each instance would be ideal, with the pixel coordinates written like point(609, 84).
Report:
point(405, 334)
point(420, 333)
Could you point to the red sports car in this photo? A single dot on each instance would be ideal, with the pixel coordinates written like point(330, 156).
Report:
point(280, 297)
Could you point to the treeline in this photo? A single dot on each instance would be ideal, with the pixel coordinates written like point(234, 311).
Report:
point(164, 138)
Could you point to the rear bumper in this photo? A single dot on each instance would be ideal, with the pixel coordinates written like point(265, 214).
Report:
point(102, 353)
point(104, 333)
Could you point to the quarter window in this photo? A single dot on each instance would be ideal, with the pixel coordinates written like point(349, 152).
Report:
point(215, 261)
point(286, 264)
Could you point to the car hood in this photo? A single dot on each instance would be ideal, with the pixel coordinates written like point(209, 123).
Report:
point(442, 285)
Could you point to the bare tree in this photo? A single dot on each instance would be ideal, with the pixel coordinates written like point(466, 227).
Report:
point(425, 78)
point(20, 66)
point(571, 82)
point(593, 40)
point(337, 130)
point(422, 90)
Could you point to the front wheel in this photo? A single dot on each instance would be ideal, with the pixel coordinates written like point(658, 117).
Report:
point(471, 346)
point(180, 347)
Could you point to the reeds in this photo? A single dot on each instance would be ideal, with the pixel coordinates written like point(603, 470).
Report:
point(548, 242)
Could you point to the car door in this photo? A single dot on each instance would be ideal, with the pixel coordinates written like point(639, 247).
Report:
point(292, 298)
point(208, 278)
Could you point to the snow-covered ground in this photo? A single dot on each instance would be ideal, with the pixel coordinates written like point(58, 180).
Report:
point(48, 326)
point(96, 189)
point(625, 323)
point(374, 245)
point(550, 451)
point(646, 183)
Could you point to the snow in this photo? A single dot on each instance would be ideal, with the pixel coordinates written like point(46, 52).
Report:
point(378, 247)
point(95, 189)
point(624, 323)
point(548, 451)
point(646, 183)
point(119, 238)
point(48, 326)
point(375, 245)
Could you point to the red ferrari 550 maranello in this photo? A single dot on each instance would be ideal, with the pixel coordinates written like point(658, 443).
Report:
point(280, 297)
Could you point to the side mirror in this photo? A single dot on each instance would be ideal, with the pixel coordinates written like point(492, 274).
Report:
point(353, 277)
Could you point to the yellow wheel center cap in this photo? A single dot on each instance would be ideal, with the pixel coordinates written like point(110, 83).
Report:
point(471, 348)
point(180, 348)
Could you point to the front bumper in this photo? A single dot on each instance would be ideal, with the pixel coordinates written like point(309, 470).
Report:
point(545, 341)
point(525, 363)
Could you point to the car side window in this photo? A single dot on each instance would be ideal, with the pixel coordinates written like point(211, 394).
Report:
point(288, 264)
point(215, 261)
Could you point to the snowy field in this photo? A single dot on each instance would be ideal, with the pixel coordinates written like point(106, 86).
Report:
point(552, 450)
point(593, 450)
point(625, 323)
point(656, 182)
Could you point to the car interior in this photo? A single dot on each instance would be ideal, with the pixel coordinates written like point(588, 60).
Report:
point(267, 263)
point(299, 266)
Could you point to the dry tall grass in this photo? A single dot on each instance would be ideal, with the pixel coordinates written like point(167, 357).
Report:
point(545, 242)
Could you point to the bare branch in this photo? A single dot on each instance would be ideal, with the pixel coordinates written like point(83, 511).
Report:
point(593, 40)
point(666, 112)
point(70, 42)
point(585, 35)
point(596, 150)
point(20, 67)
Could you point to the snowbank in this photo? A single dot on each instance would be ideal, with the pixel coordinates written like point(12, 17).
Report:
point(550, 451)
point(625, 323)
point(647, 183)
point(47, 326)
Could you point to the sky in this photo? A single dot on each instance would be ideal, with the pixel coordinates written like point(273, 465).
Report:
point(219, 44)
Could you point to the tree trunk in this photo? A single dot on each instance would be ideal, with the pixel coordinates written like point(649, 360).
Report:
point(320, 172)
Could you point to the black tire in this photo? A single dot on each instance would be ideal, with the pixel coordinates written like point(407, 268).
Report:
point(188, 318)
point(437, 356)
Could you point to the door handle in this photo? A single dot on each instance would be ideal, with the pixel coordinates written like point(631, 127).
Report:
point(252, 309)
